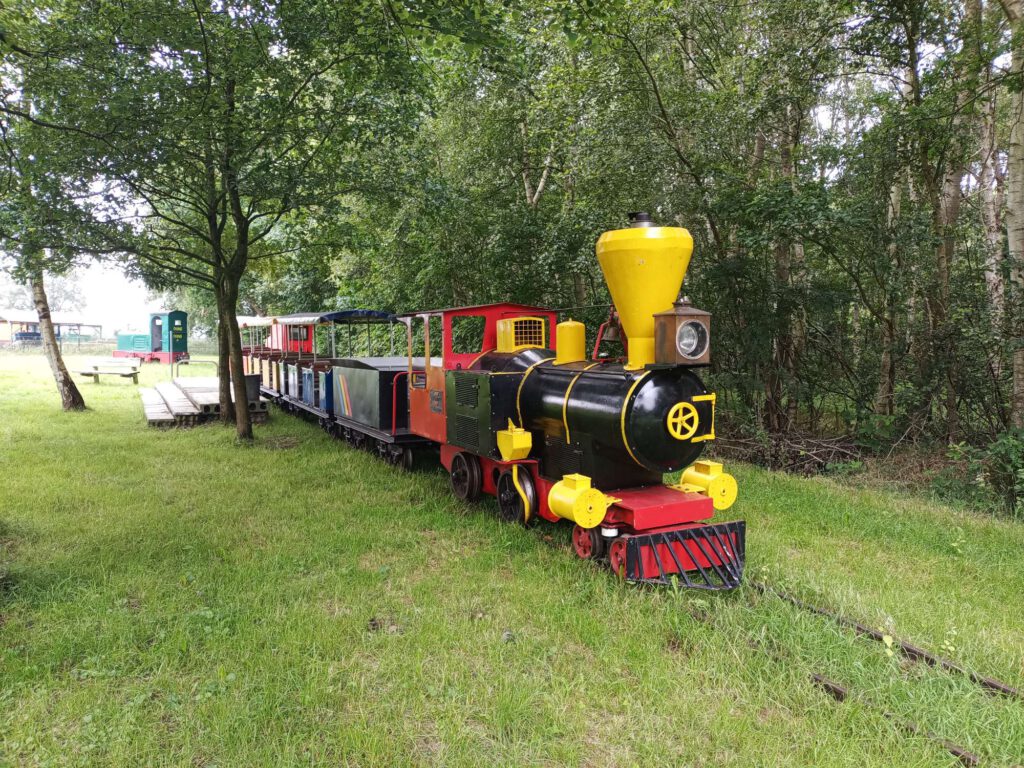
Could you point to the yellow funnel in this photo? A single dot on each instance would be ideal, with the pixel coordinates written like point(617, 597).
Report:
point(644, 267)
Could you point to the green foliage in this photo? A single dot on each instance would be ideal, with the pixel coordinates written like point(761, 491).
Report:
point(845, 468)
point(991, 476)
point(825, 156)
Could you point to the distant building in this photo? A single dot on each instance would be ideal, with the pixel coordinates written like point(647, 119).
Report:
point(21, 326)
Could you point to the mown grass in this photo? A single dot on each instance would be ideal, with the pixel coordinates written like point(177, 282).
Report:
point(170, 598)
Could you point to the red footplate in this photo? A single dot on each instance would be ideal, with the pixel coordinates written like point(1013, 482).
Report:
point(698, 556)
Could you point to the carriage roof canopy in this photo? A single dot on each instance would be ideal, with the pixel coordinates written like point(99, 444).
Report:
point(319, 318)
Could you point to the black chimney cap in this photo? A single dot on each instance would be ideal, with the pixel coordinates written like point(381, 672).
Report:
point(640, 219)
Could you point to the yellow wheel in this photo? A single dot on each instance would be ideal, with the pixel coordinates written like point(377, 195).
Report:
point(683, 421)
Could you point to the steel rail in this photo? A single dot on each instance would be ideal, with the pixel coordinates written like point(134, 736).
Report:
point(910, 650)
point(841, 693)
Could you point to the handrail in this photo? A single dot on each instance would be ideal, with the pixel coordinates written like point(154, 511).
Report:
point(179, 363)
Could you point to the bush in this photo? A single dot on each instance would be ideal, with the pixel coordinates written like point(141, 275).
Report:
point(989, 476)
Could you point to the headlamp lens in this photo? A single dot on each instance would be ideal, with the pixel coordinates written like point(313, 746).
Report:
point(692, 339)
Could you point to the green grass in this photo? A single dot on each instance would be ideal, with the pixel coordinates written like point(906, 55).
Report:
point(170, 598)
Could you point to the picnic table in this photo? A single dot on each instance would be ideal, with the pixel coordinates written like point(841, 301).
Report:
point(123, 367)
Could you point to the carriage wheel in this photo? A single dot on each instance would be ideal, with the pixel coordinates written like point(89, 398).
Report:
point(407, 459)
point(465, 476)
point(588, 543)
point(617, 557)
point(511, 508)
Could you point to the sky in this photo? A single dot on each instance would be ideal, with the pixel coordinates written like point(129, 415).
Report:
point(114, 301)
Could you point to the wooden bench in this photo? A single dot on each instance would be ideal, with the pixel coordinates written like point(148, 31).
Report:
point(126, 369)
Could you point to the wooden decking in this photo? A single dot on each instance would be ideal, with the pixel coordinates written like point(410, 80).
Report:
point(156, 410)
point(188, 401)
point(203, 391)
point(185, 411)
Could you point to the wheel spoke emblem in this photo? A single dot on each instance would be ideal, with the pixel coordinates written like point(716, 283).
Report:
point(683, 421)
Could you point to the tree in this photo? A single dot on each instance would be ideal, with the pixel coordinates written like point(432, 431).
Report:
point(31, 235)
point(210, 127)
point(1014, 10)
point(63, 292)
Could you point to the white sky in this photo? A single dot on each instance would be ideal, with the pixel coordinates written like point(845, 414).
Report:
point(114, 301)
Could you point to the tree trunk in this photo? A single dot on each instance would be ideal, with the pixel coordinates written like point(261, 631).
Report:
point(781, 399)
point(949, 211)
point(798, 330)
point(579, 289)
point(886, 393)
point(243, 419)
point(1015, 211)
point(71, 399)
point(990, 184)
point(885, 396)
point(227, 413)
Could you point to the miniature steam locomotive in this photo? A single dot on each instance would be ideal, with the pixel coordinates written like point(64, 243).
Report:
point(521, 412)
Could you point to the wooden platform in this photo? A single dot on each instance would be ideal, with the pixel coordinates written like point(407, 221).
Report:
point(185, 411)
point(190, 400)
point(156, 410)
point(204, 391)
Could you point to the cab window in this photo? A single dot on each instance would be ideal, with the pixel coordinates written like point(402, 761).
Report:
point(417, 347)
point(468, 334)
point(435, 342)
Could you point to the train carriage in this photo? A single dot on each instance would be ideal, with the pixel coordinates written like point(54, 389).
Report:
point(361, 396)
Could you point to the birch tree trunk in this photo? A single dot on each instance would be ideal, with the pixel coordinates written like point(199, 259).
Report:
point(1015, 234)
point(885, 395)
point(1015, 209)
point(990, 183)
point(948, 212)
point(70, 398)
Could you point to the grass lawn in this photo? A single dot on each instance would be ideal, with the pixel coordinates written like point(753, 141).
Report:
point(169, 598)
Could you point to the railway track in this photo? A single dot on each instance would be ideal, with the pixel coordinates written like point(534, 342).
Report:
point(908, 649)
point(842, 693)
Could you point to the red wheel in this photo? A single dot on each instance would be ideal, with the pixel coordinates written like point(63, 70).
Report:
point(588, 543)
point(617, 557)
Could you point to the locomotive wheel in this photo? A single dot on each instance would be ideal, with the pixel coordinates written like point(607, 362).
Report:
point(465, 477)
point(510, 504)
point(588, 543)
point(617, 557)
point(407, 459)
